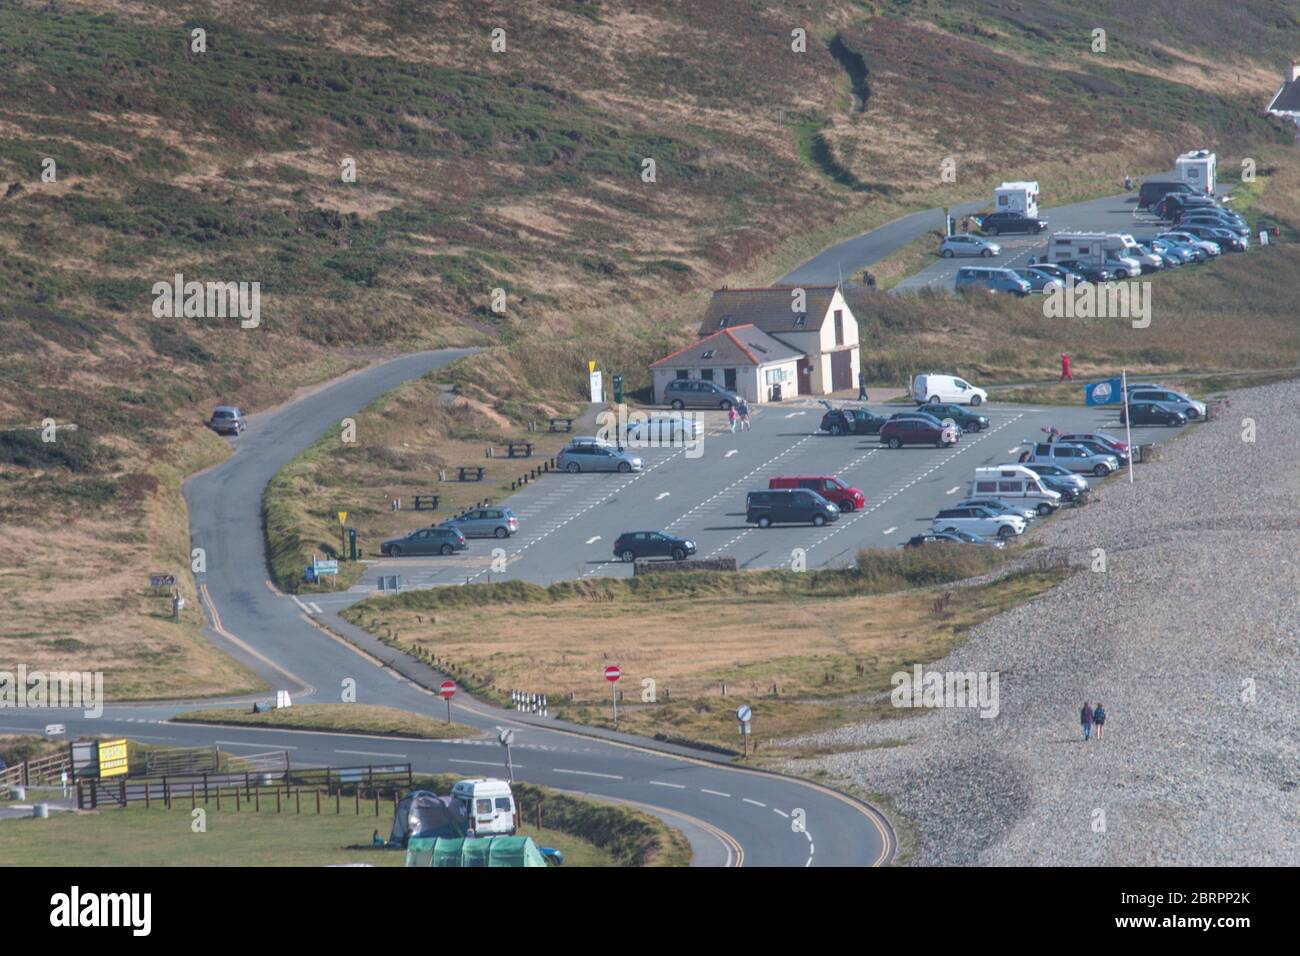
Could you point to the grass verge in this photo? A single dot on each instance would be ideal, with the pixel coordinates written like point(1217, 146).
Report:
point(336, 718)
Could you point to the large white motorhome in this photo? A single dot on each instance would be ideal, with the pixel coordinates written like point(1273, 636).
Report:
point(1021, 197)
point(1115, 251)
point(1198, 169)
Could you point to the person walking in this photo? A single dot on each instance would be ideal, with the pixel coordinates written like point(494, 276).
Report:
point(1085, 718)
point(743, 409)
point(731, 418)
point(862, 386)
point(1099, 718)
point(1065, 368)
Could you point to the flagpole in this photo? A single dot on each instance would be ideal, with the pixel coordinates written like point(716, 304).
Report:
point(1128, 429)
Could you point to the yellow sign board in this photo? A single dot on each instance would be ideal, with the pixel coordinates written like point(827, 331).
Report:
point(343, 517)
point(591, 366)
point(112, 758)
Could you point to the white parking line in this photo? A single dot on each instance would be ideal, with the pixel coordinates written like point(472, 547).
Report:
point(240, 743)
point(953, 490)
point(731, 452)
point(593, 539)
point(662, 495)
point(781, 812)
point(890, 530)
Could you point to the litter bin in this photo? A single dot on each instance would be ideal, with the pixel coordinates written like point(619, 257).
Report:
point(618, 389)
point(776, 392)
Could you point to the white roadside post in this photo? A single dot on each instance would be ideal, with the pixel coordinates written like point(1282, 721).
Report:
point(743, 714)
point(1128, 428)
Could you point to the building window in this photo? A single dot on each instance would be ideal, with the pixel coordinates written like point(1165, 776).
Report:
point(839, 326)
point(708, 354)
point(706, 374)
point(683, 373)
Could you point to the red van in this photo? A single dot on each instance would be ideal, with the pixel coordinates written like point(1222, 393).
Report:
point(832, 489)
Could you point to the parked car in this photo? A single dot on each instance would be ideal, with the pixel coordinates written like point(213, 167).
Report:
point(1226, 239)
point(1110, 443)
point(227, 420)
point(1151, 192)
point(1039, 281)
point(1067, 484)
point(999, 506)
point(1016, 484)
point(589, 454)
point(966, 421)
point(997, 223)
point(425, 541)
point(1167, 260)
point(665, 429)
point(990, 279)
point(1194, 222)
point(1089, 272)
point(1170, 399)
point(980, 521)
point(851, 421)
point(919, 414)
point(1180, 251)
point(788, 506)
point(968, 246)
point(917, 431)
point(933, 387)
point(832, 489)
point(1057, 271)
point(1207, 250)
point(484, 523)
point(697, 393)
point(633, 545)
point(951, 537)
point(1151, 413)
point(1074, 457)
point(1097, 448)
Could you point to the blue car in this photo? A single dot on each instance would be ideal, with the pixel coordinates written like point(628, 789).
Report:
point(992, 279)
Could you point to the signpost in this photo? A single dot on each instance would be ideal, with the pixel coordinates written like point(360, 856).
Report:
point(743, 714)
point(112, 758)
point(507, 737)
point(343, 545)
point(612, 673)
point(447, 690)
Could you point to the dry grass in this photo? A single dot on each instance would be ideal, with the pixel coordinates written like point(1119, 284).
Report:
point(336, 718)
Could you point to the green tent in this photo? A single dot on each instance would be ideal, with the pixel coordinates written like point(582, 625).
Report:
point(473, 851)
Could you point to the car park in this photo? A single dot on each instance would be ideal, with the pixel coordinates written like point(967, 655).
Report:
point(998, 223)
point(936, 387)
point(634, 545)
point(1067, 484)
point(484, 523)
point(425, 541)
point(1190, 407)
point(1151, 413)
point(227, 420)
point(968, 246)
point(788, 506)
point(851, 421)
point(1016, 484)
point(965, 420)
point(697, 393)
point(917, 431)
point(590, 454)
point(951, 537)
point(1074, 457)
point(980, 521)
point(832, 489)
point(992, 279)
point(999, 506)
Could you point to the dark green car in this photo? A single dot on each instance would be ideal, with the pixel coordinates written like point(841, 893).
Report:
point(962, 418)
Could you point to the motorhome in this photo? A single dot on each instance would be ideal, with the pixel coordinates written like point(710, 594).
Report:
point(488, 805)
point(1198, 169)
point(1021, 197)
point(1114, 251)
point(1015, 484)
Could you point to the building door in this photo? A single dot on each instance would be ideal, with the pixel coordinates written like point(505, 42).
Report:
point(805, 376)
point(729, 379)
point(841, 370)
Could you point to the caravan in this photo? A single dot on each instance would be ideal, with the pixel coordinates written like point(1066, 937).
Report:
point(1111, 251)
point(1015, 484)
point(1021, 197)
point(1198, 169)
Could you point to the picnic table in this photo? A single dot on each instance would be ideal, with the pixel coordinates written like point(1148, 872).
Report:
point(466, 471)
point(555, 424)
point(519, 449)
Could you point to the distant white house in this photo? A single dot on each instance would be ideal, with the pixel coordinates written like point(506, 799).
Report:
point(1286, 101)
point(742, 358)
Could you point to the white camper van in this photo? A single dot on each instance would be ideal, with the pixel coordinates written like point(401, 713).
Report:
point(1017, 485)
point(1021, 197)
point(945, 389)
point(1199, 169)
point(1106, 250)
point(488, 805)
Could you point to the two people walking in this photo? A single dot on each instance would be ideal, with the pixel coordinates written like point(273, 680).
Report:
point(1092, 717)
point(739, 414)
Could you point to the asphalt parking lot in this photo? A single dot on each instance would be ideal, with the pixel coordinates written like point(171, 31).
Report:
point(568, 523)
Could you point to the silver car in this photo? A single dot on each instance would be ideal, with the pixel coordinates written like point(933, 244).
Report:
point(1000, 506)
point(589, 454)
point(698, 393)
point(968, 246)
point(227, 420)
point(1176, 400)
point(1076, 458)
point(484, 523)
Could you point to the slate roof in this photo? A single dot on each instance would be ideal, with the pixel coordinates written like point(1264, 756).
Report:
point(1287, 98)
point(741, 345)
point(768, 309)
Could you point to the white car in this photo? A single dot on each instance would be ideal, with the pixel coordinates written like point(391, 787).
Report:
point(981, 521)
point(944, 389)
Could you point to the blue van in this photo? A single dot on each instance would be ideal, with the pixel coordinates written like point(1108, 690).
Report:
point(992, 279)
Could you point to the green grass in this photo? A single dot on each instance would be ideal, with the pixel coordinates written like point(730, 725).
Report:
point(336, 718)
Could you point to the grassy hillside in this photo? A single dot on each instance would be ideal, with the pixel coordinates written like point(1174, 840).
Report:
point(475, 170)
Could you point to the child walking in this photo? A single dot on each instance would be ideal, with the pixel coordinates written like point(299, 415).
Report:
point(731, 418)
point(1099, 718)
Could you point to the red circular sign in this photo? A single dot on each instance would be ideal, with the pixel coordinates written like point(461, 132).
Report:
point(447, 689)
point(612, 672)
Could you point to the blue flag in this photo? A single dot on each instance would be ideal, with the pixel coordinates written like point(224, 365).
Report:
point(1109, 392)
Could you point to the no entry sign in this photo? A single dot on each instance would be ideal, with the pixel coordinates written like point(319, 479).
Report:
point(613, 672)
point(447, 689)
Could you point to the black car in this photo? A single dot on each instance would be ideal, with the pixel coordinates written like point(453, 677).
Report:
point(851, 421)
point(1152, 413)
point(1057, 271)
point(788, 506)
point(425, 541)
point(1153, 191)
point(1090, 272)
point(632, 545)
point(952, 537)
point(965, 420)
point(999, 223)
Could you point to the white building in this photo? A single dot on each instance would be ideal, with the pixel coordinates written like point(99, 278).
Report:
point(1286, 101)
point(742, 358)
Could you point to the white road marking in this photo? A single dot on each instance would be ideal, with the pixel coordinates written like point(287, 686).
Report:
point(484, 763)
point(587, 773)
point(1012, 451)
point(662, 495)
point(240, 743)
point(953, 490)
point(731, 452)
point(754, 802)
point(891, 530)
point(593, 539)
point(367, 753)
point(716, 793)
point(781, 812)
point(300, 604)
point(660, 783)
point(795, 414)
point(315, 607)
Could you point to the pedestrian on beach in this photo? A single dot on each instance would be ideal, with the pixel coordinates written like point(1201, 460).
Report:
point(743, 409)
point(731, 418)
point(1085, 718)
point(1099, 718)
point(1065, 368)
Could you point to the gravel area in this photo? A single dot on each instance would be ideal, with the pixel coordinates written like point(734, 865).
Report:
point(1200, 603)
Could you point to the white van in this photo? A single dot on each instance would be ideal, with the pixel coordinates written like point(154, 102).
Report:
point(945, 389)
point(488, 805)
point(1017, 484)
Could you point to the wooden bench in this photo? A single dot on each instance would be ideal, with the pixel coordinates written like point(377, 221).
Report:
point(466, 471)
point(519, 449)
point(568, 424)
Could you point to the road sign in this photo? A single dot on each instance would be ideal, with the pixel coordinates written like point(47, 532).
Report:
point(743, 713)
point(112, 758)
point(325, 567)
point(613, 672)
point(447, 689)
point(507, 737)
point(343, 517)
